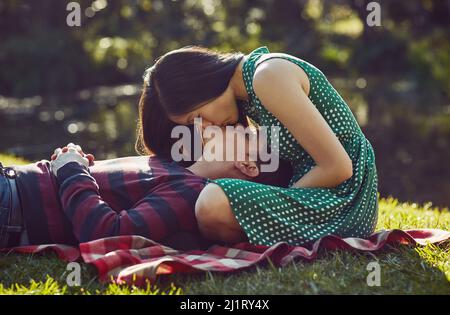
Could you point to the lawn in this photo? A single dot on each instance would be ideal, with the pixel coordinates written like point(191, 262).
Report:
point(404, 269)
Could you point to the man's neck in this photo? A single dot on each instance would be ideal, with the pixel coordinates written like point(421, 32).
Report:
point(202, 169)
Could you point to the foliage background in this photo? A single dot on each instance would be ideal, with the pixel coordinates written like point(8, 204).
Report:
point(61, 84)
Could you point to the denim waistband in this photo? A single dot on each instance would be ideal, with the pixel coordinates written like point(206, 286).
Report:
point(5, 199)
point(13, 231)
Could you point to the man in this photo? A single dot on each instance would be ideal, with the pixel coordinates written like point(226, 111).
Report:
point(70, 199)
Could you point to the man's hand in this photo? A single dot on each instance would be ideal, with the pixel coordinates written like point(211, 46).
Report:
point(70, 153)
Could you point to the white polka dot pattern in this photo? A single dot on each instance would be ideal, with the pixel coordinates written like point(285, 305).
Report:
point(298, 216)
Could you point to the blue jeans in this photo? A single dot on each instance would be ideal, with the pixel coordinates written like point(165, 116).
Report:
point(5, 204)
point(10, 202)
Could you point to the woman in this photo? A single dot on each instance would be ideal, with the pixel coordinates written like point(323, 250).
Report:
point(334, 186)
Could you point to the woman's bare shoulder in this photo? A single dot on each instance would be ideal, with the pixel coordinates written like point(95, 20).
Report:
point(276, 65)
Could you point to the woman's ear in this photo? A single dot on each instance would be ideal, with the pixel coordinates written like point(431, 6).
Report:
point(248, 168)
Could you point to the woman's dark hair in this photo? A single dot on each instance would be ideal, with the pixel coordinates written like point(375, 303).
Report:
point(179, 82)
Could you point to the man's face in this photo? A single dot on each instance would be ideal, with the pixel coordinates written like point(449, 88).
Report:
point(229, 153)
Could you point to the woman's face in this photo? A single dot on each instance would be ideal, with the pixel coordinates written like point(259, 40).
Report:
point(220, 111)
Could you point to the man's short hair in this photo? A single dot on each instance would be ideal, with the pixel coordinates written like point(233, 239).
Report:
point(280, 177)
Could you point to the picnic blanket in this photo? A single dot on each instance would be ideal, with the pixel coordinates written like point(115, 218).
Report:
point(136, 260)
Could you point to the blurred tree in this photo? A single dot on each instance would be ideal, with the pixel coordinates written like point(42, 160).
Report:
point(396, 77)
point(40, 54)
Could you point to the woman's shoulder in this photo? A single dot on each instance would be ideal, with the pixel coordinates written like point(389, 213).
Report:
point(273, 66)
point(275, 57)
point(279, 61)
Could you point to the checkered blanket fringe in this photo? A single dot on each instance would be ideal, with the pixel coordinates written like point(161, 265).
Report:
point(137, 260)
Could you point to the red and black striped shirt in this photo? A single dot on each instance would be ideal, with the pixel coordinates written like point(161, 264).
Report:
point(138, 195)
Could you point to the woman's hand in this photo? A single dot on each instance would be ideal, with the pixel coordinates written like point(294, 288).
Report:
point(69, 153)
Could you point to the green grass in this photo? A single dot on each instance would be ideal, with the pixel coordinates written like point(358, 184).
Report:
point(404, 269)
point(11, 160)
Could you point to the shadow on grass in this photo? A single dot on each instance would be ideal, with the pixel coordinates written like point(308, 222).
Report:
point(403, 270)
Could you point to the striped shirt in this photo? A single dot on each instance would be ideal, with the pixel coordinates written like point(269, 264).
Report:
point(138, 195)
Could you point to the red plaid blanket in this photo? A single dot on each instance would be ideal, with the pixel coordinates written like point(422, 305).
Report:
point(134, 259)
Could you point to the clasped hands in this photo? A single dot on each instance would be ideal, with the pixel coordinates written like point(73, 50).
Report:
point(69, 153)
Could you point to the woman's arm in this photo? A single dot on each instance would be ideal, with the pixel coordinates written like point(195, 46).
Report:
point(280, 85)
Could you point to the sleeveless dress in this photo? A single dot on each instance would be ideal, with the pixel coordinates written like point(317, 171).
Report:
point(298, 216)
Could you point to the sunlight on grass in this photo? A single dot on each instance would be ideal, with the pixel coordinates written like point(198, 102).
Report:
point(52, 287)
point(436, 258)
point(404, 269)
point(8, 160)
point(397, 215)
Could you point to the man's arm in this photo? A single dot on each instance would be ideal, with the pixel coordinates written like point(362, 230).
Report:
point(92, 218)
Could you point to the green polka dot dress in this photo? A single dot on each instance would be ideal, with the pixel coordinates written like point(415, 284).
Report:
point(298, 216)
